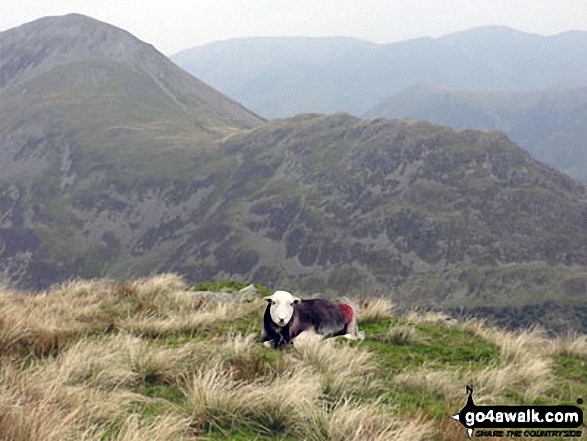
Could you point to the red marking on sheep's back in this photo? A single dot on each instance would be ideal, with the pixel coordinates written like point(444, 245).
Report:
point(347, 312)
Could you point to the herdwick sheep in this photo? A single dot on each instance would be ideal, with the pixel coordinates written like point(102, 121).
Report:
point(287, 316)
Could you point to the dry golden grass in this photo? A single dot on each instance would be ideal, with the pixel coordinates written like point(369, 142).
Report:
point(77, 386)
point(147, 359)
point(512, 344)
point(343, 369)
point(162, 428)
point(215, 398)
point(403, 335)
point(374, 308)
point(293, 404)
point(524, 366)
point(371, 422)
point(287, 403)
point(118, 361)
point(166, 323)
point(44, 404)
point(158, 306)
point(42, 324)
point(529, 377)
point(444, 383)
point(571, 344)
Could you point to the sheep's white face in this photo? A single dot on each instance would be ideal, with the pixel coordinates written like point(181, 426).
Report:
point(282, 307)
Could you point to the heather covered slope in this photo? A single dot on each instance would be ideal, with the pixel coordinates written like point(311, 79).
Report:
point(421, 212)
point(150, 359)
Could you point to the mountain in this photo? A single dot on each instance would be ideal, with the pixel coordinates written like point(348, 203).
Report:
point(282, 77)
point(432, 215)
point(549, 124)
point(43, 50)
point(116, 163)
point(91, 117)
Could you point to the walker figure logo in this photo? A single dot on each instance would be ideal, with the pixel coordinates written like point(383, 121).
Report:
point(475, 417)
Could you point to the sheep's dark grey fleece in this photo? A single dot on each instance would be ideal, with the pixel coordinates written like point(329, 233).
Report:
point(326, 318)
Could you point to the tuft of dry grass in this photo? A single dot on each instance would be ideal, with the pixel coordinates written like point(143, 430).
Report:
point(291, 404)
point(43, 324)
point(530, 377)
point(187, 322)
point(350, 421)
point(513, 344)
point(443, 383)
point(288, 403)
point(372, 309)
point(161, 428)
point(118, 361)
point(571, 344)
point(524, 366)
point(41, 404)
point(160, 305)
point(214, 398)
point(403, 335)
point(343, 369)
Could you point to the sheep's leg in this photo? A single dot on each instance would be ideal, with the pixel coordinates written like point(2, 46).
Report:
point(353, 330)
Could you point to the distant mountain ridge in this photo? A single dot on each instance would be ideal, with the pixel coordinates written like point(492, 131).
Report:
point(349, 75)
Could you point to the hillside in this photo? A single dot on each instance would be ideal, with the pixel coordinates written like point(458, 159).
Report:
point(91, 117)
point(282, 77)
point(151, 359)
point(425, 213)
point(550, 125)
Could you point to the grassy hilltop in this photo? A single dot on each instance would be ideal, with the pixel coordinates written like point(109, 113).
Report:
point(151, 359)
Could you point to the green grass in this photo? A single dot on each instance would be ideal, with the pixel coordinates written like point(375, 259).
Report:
point(230, 286)
point(571, 379)
point(441, 346)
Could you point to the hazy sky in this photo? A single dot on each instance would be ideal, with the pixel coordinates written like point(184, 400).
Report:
point(179, 24)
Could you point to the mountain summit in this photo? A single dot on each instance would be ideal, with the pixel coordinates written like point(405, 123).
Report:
point(86, 52)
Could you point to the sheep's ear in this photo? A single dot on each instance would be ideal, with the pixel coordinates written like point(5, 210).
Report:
point(268, 298)
point(296, 300)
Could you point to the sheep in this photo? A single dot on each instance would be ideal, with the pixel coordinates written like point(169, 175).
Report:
point(287, 316)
